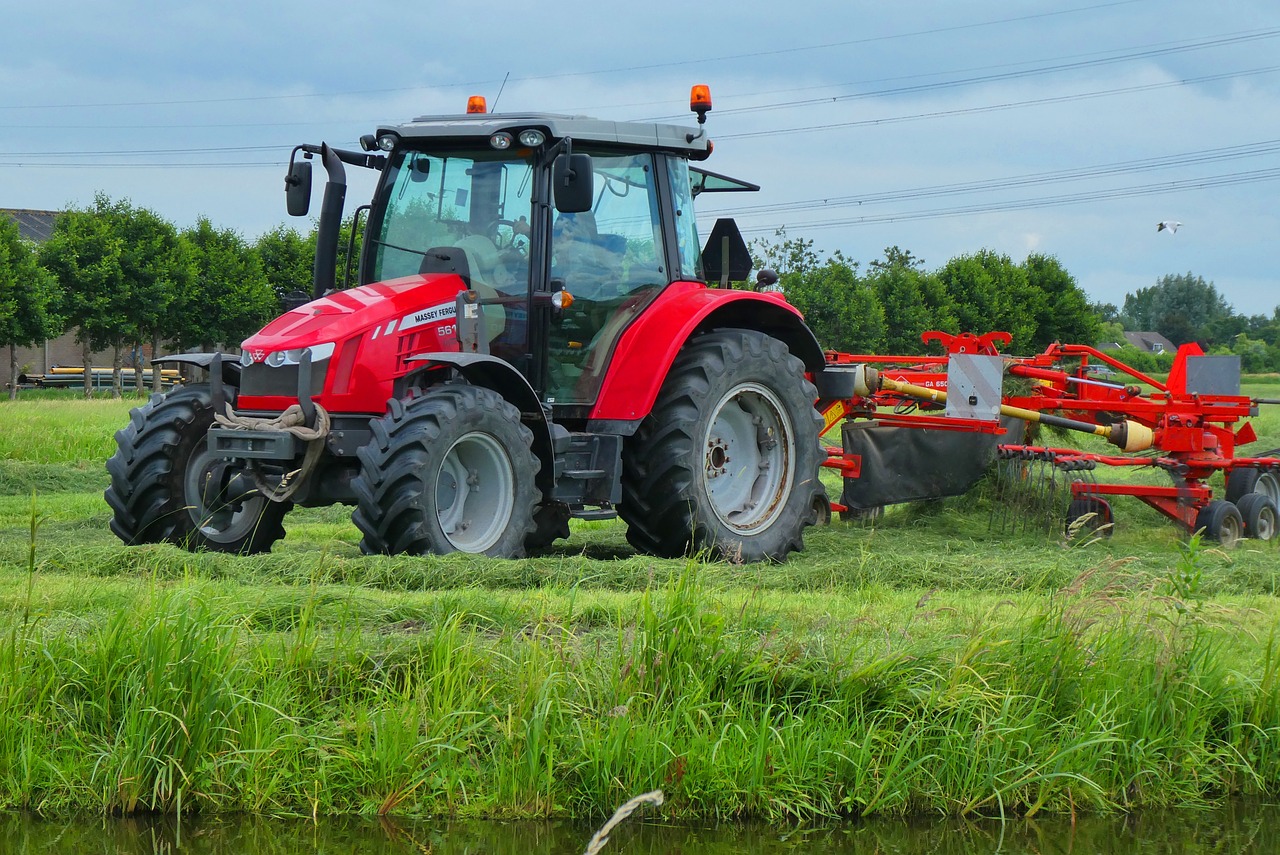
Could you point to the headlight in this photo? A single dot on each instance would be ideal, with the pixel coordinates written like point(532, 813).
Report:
point(532, 138)
point(293, 356)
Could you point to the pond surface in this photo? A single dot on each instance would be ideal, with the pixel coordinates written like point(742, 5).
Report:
point(1236, 828)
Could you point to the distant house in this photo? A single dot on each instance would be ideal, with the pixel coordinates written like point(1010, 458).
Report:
point(63, 351)
point(1150, 342)
point(35, 226)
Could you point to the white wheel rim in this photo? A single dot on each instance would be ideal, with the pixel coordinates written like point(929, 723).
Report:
point(1268, 485)
point(748, 458)
point(1265, 529)
point(475, 492)
point(226, 522)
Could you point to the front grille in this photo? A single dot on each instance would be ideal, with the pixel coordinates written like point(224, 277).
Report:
point(261, 379)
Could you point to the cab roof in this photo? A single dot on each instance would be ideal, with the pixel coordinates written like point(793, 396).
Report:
point(583, 129)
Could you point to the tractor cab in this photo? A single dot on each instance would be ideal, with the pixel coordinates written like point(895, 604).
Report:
point(566, 228)
point(557, 286)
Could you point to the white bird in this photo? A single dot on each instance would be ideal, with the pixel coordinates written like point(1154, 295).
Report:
point(1171, 225)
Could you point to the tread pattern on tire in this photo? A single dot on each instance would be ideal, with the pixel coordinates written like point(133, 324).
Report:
point(662, 467)
point(390, 512)
point(146, 495)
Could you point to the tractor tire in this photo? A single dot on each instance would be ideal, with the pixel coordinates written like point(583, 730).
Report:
point(1242, 482)
point(159, 482)
point(727, 461)
point(1221, 523)
point(450, 471)
point(1089, 515)
point(1259, 514)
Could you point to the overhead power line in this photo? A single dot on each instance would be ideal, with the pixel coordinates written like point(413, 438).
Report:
point(1009, 105)
point(1127, 167)
point(1227, 180)
point(752, 55)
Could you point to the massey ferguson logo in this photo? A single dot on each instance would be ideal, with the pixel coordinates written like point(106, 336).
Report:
point(429, 316)
point(257, 355)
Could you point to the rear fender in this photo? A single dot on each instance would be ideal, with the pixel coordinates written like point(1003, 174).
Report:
point(502, 377)
point(645, 352)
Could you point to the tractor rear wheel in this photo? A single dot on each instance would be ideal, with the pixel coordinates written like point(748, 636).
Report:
point(728, 458)
point(450, 471)
point(1221, 522)
point(1259, 514)
point(165, 484)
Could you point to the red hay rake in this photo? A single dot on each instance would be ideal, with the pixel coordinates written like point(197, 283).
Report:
point(896, 431)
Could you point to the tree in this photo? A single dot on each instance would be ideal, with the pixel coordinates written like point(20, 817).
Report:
point(1065, 312)
point(156, 267)
point(1182, 308)
point(230, 297)
point(27, 297)
point(993, 293)
point(84, 255)
point(785, 255)
point(841, 309)
point(913, 301)
point(287, 260)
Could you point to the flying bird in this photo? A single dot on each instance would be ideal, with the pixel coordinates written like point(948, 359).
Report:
point(1170, 225)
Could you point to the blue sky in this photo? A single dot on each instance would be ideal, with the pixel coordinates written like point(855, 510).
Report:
point(1067, 127)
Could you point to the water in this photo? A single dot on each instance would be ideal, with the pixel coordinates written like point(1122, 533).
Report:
point(1237, 828)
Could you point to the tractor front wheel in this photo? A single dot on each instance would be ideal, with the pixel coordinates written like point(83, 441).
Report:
point(167, 487)
point(450, 471)
point(728, 458)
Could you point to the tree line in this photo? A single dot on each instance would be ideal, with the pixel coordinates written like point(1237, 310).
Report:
point(121, 277)
point(885, 308)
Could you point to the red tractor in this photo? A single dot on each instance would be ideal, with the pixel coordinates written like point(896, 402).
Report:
point(533, 339)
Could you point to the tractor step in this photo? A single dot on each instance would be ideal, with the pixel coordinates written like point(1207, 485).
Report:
point(583, 474)
point(593, 514)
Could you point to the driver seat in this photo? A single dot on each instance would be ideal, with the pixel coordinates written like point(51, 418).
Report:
point(455, 259)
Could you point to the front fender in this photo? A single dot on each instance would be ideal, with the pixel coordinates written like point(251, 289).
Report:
point(645, 352)
point(230, 364)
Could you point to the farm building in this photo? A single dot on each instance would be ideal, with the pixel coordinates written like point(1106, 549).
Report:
point(37, 226)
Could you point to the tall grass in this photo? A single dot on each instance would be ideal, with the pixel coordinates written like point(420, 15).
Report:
point(1087, 701)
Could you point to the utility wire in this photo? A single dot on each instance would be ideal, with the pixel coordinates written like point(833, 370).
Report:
point(1203, 156)
point(753, 55)
point(1010, 105)
point(1227, 180)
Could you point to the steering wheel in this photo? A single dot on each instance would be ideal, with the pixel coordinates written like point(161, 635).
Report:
point(513, 238)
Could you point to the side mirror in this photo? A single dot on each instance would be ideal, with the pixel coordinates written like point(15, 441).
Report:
point(297, 188)
point(571, 180)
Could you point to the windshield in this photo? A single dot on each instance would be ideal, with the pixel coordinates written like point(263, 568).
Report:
point(446, 208)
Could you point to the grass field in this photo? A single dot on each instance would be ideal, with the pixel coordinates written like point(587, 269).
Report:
point(923, 664)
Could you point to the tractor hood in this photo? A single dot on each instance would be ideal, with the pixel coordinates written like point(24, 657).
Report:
point(322, 324)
